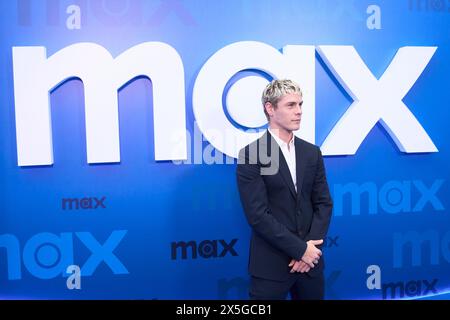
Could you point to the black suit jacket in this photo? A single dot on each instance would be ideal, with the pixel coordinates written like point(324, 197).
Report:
point(282, 219)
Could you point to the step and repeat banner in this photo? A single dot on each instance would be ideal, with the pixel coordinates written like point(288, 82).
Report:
point(120, 123)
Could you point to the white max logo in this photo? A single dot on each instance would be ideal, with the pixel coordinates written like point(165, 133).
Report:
point(375, 100)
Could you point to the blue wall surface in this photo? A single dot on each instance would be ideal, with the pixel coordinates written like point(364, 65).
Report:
point(391, 207)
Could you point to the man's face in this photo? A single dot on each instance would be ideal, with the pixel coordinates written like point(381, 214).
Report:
point(287, 114)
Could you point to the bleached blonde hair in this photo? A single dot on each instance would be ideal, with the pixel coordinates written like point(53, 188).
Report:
point(277, 89)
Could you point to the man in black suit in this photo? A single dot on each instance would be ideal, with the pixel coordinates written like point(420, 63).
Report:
point(284, 193)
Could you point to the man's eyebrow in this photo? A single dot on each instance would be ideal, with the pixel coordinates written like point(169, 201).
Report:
point(291, 103)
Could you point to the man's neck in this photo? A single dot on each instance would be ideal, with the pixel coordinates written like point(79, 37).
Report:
point(283, 134)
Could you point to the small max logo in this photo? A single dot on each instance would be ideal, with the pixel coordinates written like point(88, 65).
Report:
point(107, 12)
point(205, 249)
point(411, 288)
point(392, 197)
point(83, 203)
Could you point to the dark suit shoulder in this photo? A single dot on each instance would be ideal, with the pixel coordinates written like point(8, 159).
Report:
point(307, 146)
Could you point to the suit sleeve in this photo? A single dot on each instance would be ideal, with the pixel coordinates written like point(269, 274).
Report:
point(321, 202)
point(253, 194)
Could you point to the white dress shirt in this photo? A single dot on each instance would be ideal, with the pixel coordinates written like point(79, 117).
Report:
point(288, 150)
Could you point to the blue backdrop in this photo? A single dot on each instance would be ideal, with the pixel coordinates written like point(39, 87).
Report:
point(128, 238)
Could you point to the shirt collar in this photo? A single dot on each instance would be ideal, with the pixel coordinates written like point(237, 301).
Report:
point(280, 142)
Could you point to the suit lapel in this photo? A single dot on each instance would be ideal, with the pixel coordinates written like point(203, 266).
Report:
point(300, 165)
point(281, 162)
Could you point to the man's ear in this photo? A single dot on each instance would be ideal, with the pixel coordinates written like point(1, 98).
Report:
point(269, 108)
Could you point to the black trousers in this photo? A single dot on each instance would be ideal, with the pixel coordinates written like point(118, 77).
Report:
point(300, 286)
